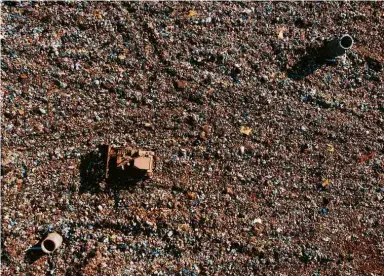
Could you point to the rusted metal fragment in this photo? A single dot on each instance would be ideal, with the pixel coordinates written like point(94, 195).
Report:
point(126, 158)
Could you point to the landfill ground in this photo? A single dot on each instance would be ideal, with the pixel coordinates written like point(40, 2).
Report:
point(267, 162)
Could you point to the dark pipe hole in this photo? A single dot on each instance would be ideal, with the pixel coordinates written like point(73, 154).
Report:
point(49, 245)
point(346, 42)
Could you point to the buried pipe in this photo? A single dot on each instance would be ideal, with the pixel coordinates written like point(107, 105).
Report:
point(52, 242)
point(337, 46)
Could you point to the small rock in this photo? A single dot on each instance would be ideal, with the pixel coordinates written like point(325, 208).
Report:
point(245, 130)
point(63, 85)
point(97, 117)
point(324, 211)
point(100, 208)
point(247, 11)
point(264, 78)
point(181, 85)
point(42, 111)
point(191, 195)
point(242, 149)
point(184, 228)
point(229, 191)
point(183, 153)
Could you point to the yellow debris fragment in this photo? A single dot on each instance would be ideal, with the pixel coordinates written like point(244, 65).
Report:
point(191, 195)
point(330, 148)
point(147, 50)
point(192, 13)
point(325, 183)
point(184, 227)
point(246, 130)
point(98, 15)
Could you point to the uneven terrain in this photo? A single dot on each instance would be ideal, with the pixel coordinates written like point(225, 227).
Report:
point(266, 162)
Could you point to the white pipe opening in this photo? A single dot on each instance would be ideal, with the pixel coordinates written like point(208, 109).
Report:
point(52, 242)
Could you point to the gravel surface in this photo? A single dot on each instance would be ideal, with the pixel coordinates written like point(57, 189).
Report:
point(267, 162)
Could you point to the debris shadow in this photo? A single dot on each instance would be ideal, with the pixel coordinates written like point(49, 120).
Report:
point(92, 172)
point(93, 179)
point(123, 179)
point(34, 253)
point(308, 64)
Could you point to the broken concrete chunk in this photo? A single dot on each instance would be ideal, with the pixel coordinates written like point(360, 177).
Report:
point(143, 163)
point(126, 158)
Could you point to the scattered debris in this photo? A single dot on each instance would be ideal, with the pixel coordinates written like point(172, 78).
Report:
point(324, 211)
point(280, 33)
point(51, 243)
point(325, 183)
point(225, 99)
point(181, 84)
point(191, 13)
point(367, 157)
point(229, 191)
point(126, 157)
point(191, 195)
point(330, 148)
point(246, 130)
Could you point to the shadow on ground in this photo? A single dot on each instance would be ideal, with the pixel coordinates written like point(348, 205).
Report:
point(92, 172)
point(34, 253)
point(93, 175)
point(308, 64)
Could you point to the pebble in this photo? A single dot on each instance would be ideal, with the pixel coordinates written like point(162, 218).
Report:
point(97, 117)
point(229, 191)
point(181, 84)
point(265, 78)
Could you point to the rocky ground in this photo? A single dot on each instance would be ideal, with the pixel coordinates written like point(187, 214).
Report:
point(267, 161)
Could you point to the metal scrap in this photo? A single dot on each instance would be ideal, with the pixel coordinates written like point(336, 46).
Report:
point(126, 157)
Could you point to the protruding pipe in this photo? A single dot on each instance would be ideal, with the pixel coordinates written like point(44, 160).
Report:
point(52, 242)
point(337, 46)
